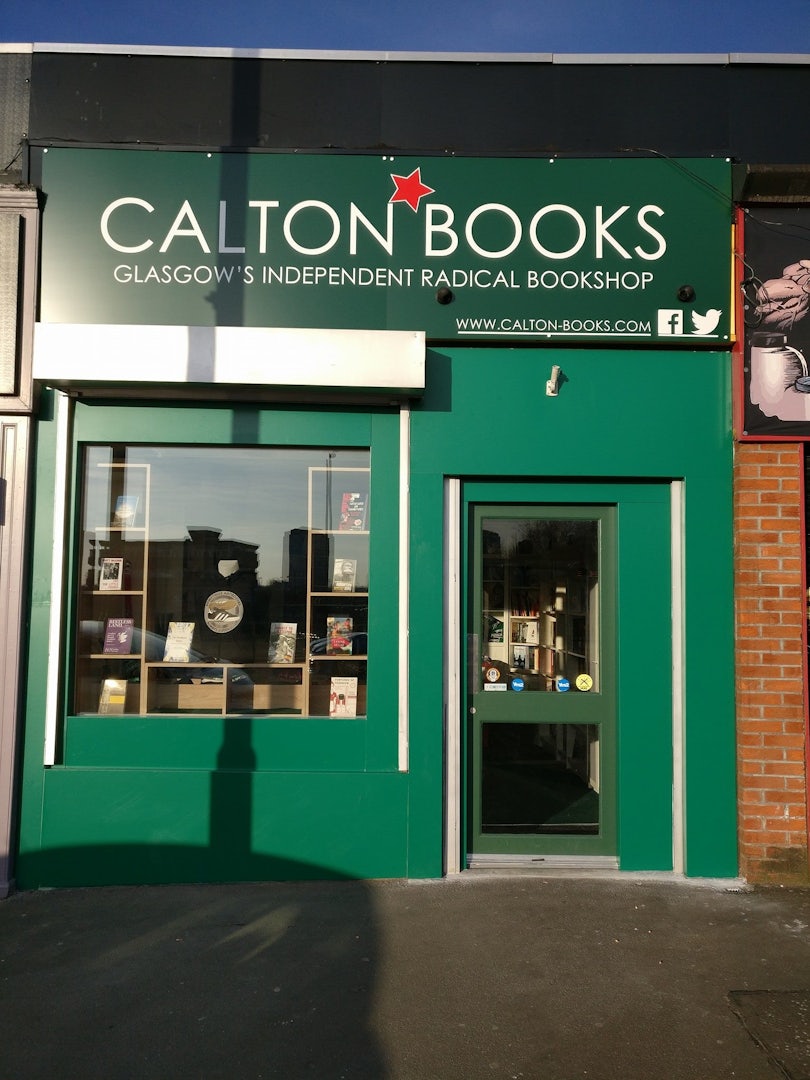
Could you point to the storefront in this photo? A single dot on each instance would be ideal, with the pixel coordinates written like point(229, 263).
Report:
point(382, 522)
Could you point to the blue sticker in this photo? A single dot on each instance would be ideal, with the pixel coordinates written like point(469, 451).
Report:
point(563, 685)
point(517, 684)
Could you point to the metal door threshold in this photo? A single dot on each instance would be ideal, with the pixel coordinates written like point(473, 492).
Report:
point(542, 862)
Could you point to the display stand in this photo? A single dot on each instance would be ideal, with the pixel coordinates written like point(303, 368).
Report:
point(337, 595)
point(115, 594)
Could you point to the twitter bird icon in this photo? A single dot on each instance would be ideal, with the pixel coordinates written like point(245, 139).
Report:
point(705, 324)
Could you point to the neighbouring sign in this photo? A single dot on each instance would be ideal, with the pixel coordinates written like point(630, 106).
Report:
point(463, 249)
point(776, 290)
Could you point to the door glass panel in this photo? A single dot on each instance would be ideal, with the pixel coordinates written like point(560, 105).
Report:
point(540, 779)
point(540, 602)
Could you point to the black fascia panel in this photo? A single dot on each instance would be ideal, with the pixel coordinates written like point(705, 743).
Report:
point(211, 102)
point(767, 117)
point(400, 106)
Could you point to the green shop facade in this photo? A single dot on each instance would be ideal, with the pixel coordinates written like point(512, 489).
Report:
point(381, 520)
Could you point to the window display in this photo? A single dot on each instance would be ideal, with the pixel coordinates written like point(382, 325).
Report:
point(223, 580)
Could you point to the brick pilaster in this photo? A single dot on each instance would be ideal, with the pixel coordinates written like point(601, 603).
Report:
point(771, 709)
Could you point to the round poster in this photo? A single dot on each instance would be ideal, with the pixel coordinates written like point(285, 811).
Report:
point(223, 612)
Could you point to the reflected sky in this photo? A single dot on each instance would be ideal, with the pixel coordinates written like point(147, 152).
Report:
point(252, 495)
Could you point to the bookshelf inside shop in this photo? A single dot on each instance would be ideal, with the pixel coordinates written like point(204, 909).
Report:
point(113, 596)
point(133, 658)
point(337, 594)
point(535, 620)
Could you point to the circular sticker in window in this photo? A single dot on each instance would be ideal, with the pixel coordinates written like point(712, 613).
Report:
point(223, 612)
point(492, 674)
point(584, 682)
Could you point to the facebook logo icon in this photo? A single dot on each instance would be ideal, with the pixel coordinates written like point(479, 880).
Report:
point(670, 321)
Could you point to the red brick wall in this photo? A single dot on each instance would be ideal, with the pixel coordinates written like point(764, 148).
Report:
point(770, 613)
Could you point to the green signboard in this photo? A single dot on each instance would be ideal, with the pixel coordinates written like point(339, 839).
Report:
point(464, 249)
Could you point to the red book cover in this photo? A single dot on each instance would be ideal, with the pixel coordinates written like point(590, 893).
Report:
point(353, 506)
point(338, 634)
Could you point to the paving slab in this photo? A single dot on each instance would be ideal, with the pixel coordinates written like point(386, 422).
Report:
point(484, 975)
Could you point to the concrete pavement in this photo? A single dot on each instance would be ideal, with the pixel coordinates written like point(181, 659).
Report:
point(486, 975)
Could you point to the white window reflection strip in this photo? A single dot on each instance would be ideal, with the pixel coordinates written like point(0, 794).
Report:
point(452, 670)
point(57, 575)
point(404, 582)
point(678, 719)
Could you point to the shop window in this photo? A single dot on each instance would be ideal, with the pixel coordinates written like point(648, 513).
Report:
point(222, 580)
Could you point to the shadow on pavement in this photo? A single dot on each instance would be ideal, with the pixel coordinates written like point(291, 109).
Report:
point(189, 981)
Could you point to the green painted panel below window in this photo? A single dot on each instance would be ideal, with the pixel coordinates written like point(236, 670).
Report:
point(210, 742)
point(120, 826)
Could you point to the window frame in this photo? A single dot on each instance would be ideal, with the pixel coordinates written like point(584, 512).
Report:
point(82, 741)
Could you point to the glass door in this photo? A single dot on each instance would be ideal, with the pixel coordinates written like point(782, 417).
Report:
point(542, 680)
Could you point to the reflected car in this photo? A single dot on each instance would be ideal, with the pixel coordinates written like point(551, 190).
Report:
point(357, 638)
point(153, 647)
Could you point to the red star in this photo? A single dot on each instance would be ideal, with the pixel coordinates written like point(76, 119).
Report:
point(410, 189)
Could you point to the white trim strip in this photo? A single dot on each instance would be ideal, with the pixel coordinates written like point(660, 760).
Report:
point(678, 718)
point(404, 582)
point(57, 573)
point(14, 444)
point(391, 361)
point(388, 56)
point(452, 668)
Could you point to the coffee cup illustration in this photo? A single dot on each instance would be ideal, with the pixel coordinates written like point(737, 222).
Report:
point(779, 383)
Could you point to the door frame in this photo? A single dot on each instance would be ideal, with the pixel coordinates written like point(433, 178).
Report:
point(644, 503)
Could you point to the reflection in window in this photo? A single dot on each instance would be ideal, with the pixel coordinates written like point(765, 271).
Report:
point(540, 779)
point(223, 580)
point(540, 600)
